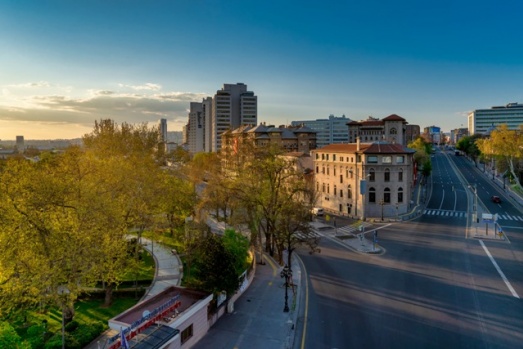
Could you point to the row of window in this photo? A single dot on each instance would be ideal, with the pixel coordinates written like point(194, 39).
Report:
point(370, 159)
point(386, 199)
point(371, 175)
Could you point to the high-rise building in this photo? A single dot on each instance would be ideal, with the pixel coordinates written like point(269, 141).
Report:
point(482, 120)
point(195, 128)
point(432, 134)
point(163, 130)
point(232, 106)
point(328, 131)
point(20, 143)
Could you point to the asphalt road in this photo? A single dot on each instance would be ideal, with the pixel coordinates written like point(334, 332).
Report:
point(433, 287)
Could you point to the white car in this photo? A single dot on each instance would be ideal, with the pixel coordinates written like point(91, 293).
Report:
point(318, 211)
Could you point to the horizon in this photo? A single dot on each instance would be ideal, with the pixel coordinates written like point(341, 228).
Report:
point(67, 64)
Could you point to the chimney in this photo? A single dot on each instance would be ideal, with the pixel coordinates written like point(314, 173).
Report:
point(357, 143)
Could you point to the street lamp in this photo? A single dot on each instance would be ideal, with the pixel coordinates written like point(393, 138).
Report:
point(286, 273)
point(475, 208)
point(382, 203)
point(397, 210)
point(64, 292)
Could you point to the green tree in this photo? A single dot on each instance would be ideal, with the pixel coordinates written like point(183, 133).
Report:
point(507, 146)
point(10, 339)
point(215, 266)
point(238, 246)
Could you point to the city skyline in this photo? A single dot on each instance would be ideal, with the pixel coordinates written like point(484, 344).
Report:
point(67, 64)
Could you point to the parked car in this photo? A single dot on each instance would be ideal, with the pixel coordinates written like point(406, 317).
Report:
point(496, 199)
point(318, 211)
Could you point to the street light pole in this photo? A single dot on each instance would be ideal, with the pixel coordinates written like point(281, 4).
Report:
point(285, 274)
point(382, 203)
point(63, 291)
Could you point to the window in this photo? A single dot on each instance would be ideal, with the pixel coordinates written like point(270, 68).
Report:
point(323, 156)
point(400, 194)
point(327, 170)
point(327, 157)
point(393, 131)
point(372, 159)
point(372, 175)
point(328, 188)
point(341, 193)
point(341, 158)
point(341, 178)
point(317, 186)
point(187, 334)
point(400, 159)
point(317, 169)
point(335, 189)
point(386, 196)
point(386, 159)
point(333, 157)
point(372, 195)
point(334, 171)
point(323, 169)
point(387, 175)
point(349, 192)
point(317, 156)
point(400, 175)
point(323, 188)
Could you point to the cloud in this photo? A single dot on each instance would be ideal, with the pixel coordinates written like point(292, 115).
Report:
point(121, 107)
point(148, 86)
point(39, 84)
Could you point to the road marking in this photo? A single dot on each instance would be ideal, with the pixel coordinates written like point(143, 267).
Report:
point(305, 315)
point(511, 289)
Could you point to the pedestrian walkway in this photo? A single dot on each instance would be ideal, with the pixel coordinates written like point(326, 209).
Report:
point(168, 273)
point(258, 320)
point(446, 213)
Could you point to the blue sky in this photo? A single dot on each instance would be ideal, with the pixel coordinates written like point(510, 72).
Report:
point(67, 63)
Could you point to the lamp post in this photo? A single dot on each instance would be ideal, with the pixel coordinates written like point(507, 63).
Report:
point(382, 203)
point(475, 208)
point(397, 210)
point(286, 273)
point(64, 292)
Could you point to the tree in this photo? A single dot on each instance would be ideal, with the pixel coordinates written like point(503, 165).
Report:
point(215, 266)
point(505, 145)
point(10, 339)
point(238, 246)
point(422, 155)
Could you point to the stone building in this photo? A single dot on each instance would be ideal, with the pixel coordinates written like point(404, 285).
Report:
point(364, 179)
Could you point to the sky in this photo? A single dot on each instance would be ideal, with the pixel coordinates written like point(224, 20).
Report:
point(65, 64)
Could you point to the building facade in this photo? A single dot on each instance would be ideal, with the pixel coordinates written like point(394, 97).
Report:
point(364, 179)
point(195, 128)
point(412, 132)
point(232, 107)
point(289, 138)
point(481, 120)
point(432, 134)
point(391, 129)
point(328, 131)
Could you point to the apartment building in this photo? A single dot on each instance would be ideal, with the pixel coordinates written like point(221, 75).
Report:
point(290, 138)
point(195, 128)
point(232, 107)
point(328, 131)
point(391, 129)
point(480, 121)
point(364, 179)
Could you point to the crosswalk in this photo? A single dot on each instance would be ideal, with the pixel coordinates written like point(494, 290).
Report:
point(463, 214)
point(446, 213)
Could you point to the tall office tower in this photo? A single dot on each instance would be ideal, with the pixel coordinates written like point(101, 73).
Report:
point(207, 124)
point(328, 131)
point(232, 106)
point(163, 130)
point(20, 144)
point(482, 120)
point(195, 128)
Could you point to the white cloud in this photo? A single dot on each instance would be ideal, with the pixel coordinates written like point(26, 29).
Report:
point(148, 86)
point(38, 84)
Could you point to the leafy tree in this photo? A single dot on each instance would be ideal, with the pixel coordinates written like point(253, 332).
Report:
point(238, 246)
point(505, 145)
point(215, 266)
point(422, 154)
point(10, 339)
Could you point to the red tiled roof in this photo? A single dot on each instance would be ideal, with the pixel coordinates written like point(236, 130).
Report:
point(344, 148)
point(387, 148)
point(394, 117)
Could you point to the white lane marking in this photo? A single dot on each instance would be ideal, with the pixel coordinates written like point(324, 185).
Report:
point(511, 289)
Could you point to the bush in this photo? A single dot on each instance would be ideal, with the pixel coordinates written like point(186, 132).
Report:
point(71, 326)
point(35, 336)
point(55, 342)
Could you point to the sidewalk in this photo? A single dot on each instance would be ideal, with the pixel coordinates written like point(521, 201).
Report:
point(258, 320)
point(168, 273)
